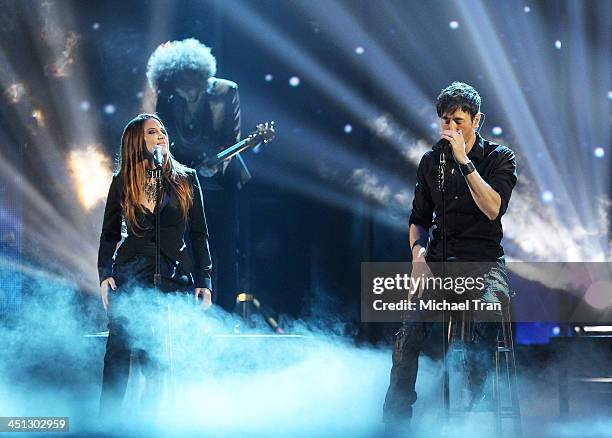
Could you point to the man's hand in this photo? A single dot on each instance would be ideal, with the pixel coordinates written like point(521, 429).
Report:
point(455, 138)
point(110, 281)
point(421, 271)
point(206, 296)
point(485, 197)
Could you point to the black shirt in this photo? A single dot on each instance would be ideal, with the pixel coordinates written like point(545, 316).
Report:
point(471, 235)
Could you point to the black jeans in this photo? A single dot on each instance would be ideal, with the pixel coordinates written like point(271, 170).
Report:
point(415, 337)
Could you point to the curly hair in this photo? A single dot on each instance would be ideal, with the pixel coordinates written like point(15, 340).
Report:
point(458, 95)
point(173, 57)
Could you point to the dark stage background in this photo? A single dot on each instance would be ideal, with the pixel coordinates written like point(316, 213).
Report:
point(351, 86)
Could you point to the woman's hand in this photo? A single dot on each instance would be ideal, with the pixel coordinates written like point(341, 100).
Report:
point(110, 281)
point(206, 296)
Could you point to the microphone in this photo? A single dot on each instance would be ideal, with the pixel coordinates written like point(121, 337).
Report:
point(158, 156)
point(443, 144)
point(446, 149)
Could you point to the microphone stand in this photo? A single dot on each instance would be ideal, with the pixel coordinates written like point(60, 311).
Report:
point(445, 335)
point(158, 201)
point(157, 278)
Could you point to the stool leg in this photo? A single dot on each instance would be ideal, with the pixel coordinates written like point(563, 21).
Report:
point(518, 430)
point(509, 341)
point(496, 394)
point(563, 391)
point(447, 339)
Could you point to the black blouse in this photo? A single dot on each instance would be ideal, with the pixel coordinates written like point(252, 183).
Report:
point(198, 265)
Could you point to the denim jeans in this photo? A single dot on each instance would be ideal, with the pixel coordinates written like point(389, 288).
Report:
point(415, 337)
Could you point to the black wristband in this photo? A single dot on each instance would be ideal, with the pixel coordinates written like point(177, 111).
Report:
point(467, 168)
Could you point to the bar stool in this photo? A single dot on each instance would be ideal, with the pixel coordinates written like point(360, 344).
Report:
point(505, 347)
point(508, 409)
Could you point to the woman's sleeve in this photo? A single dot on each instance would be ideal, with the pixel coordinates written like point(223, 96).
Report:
point(198, 235)
point(111, 231)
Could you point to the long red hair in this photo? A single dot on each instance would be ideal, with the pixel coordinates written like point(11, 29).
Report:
point(133, 165)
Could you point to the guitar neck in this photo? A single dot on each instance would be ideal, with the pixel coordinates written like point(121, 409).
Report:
point(263, 134)
point(233, 150)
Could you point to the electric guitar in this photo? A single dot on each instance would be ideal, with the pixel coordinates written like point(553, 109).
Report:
point(263, 133)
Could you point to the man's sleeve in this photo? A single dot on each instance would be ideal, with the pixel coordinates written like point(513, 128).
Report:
point(231, 124)
point(422, 205)
point(503, 178)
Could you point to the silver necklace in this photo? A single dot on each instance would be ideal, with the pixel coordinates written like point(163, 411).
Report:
point(150, 186)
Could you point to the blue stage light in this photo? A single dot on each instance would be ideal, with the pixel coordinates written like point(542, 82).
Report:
point(110, 109)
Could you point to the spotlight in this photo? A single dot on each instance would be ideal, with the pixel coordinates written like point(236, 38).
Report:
point(527, 9)
point(110, 109)
point(15, 92)
point(359, 50)
point(59, 67)
point(453, 24)
point(610, 95)
point(39, 116)
point(294, 81)
point(599, 152)
point(348, 128)
point(527, 246)
point(269, 77)
point(95, 26)
point(91, 171)
point(558, 45)
point(497, 131)
point(601, 329)
point(139, 95)
point(599, 295)
point(547, 196)
point(85, 105)
point(556, 330)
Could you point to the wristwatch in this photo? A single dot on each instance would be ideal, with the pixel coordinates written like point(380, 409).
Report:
point(467, 168)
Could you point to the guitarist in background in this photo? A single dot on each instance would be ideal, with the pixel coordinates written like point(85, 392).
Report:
point(202, 116)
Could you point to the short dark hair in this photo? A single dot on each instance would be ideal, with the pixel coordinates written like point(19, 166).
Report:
point(458, 95)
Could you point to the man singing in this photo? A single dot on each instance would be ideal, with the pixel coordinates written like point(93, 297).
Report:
point(478, 184)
